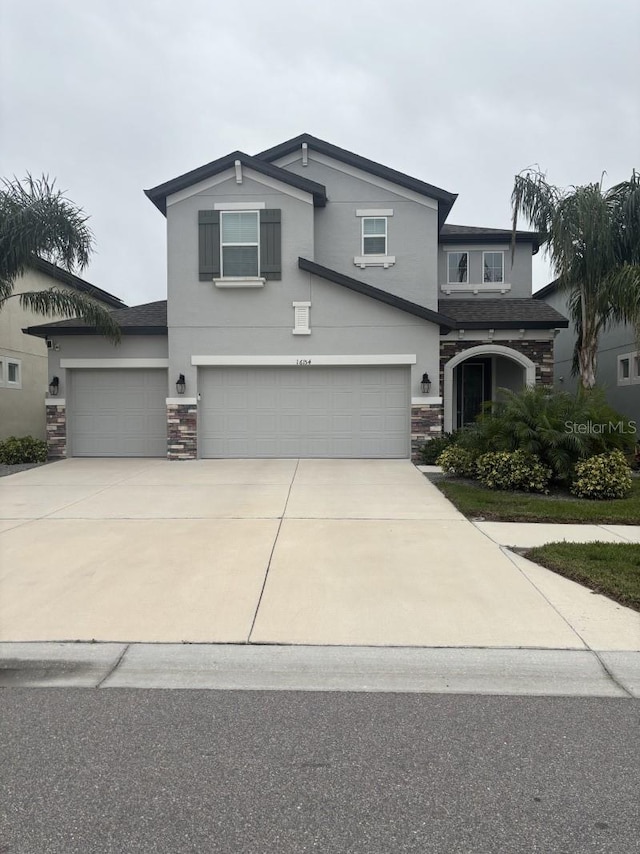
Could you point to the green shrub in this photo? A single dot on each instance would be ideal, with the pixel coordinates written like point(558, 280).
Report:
point(513, 470)
point(26, 449)
point(457, 461)
point(432, 449)
point(603, 476)
point(557, 427)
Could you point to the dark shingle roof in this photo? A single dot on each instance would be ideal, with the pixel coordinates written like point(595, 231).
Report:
point(481, 313)
point(76, 282)
point(158, 195)
point(147, 319)
point(375, 293)
point(450, 233)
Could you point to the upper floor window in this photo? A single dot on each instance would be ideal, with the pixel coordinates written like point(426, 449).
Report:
point(493, 266)
point(374, 235)
point(629, 369)
point(457, 267)
point(239, 243)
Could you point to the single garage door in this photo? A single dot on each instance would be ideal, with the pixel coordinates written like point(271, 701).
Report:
point(118, 413)
point(304, 412)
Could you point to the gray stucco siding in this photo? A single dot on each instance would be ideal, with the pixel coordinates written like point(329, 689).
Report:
point(412, 233)
point(97, 347)
point(341, 321)
point(517, 275)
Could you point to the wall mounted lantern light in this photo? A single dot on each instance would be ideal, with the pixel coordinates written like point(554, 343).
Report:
point(425, 384)
point(180, 384)
point(54, 385)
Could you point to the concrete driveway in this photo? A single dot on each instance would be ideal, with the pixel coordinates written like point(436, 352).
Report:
point(357, 552)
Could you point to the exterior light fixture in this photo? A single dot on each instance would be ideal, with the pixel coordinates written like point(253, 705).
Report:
point(425, 384)
point(54, 385)
point(180, 384)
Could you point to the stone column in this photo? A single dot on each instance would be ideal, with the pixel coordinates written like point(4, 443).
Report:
point(56, 418)
point(426, 424)
point(182, 429)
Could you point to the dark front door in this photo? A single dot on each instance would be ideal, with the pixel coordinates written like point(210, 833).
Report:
point(474, 389)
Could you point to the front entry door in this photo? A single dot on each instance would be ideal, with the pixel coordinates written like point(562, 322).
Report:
point(474, 389)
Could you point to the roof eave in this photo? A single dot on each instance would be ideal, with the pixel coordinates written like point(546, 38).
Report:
point(57, 331)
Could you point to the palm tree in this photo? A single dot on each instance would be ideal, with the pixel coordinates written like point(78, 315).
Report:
point(36, 220)
point(592, 238)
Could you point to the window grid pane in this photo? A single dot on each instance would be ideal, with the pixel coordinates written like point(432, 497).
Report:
point(240, 261)
point(493, 267)
point(374, 226)
point(13, 374)
point(240, 227)
point(375, 246)
point(458, 267)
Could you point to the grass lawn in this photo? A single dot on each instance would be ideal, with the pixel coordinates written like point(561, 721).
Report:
point(474, 501)
point(609, 568)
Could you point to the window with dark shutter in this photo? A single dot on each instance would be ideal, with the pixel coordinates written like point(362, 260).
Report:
point(270, 244)
point(209, 243)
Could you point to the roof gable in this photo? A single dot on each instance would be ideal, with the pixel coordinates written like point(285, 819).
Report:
point(445, 199)
point(75, 282)
point(159, 194)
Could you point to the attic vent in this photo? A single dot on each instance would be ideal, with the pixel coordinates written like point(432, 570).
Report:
point(301, 318)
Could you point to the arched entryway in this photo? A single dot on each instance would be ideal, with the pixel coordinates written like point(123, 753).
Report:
point(473, 376)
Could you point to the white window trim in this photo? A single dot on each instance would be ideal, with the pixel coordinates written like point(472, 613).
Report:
point(375, 212)
point(484, 288)
point(301, 318)
point(256, 244)
point(5, 382)
point(386, 238)
point(634, 377)
point(385, 261)
point(458, 252)
point(493, 252)
point(240, 282)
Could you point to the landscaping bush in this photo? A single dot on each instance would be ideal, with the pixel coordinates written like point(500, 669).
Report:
point(559, 428)
point(602, 476)
point(457, 461)
point(432, 449)
point(26, 449)
point(514, 470)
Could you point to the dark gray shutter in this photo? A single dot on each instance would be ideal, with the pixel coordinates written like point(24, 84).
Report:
point(270, 240)
point(209, 245)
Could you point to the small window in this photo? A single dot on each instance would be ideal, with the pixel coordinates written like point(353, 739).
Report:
point(493, 266)
point(624, 370)
point(636, 369)
point(10, 373)
point(239, 244)
point(374, 235)
point(457, 267)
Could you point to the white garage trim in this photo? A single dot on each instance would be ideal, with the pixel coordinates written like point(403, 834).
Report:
point(302, 361)
point(471, 352)
point(114, 363)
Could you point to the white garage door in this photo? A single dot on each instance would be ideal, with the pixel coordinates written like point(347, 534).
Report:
point(304, 412)
point(118, 413)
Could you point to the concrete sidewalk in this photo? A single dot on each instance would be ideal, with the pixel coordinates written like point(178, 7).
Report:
point(306, 552)
point(526, 535)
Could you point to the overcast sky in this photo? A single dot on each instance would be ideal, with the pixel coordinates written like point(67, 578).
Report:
point(114, 96)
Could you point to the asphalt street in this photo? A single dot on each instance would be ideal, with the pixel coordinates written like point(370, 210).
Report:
point(132, 771)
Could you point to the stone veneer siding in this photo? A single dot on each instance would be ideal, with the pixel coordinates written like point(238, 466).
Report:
point(540, 353)
point(182, 431)
point(56, 419)
point(426, 423)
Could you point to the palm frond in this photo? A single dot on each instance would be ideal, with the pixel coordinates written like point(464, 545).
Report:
point(59, 302)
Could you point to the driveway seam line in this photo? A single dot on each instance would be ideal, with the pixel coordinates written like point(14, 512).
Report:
point(273, 548)
point(115, 666)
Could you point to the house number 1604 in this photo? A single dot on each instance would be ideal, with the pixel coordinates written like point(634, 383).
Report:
point(303, 362)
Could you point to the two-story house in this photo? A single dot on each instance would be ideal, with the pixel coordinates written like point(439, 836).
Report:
point(318, 305)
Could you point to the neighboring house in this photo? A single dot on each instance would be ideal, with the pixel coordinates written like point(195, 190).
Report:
point(23, 359)
point(618, 369)
point(309, 292)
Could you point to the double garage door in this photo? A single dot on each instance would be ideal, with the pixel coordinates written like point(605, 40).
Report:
point(304, 412)
point(246, 412)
